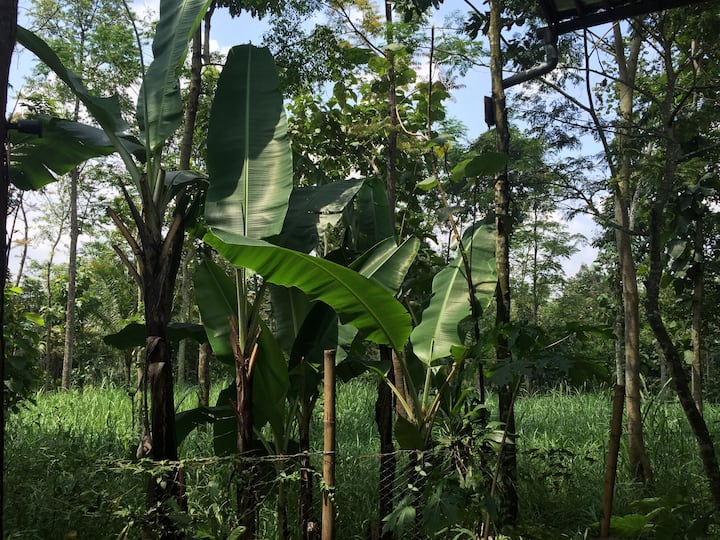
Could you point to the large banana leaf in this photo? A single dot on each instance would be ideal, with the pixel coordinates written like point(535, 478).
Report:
point(160, 108)
point(249, 158)
point(387, 263)
point(37, 161)
point(371, 221)
point(135, 334)
point(290, 307)
point(216, 299)
point(105, 110)
point(311, 210)
point(357, 300)
point(438, 331)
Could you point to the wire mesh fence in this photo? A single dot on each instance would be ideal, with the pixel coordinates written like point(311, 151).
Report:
point(376, 496)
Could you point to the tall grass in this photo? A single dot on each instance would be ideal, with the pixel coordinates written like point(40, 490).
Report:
point(70, 468)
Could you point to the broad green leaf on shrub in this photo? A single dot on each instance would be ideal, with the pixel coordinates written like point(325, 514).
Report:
point(486, 164)
point(187, 421)
point(408, 435)
point(37, 161)
point(357, 300)
point(312, 210)
point(387, 263)
point(438, 332)
point(370, 221)
point(134, 335)
point(249, 157)
point(215, 296)
point(105, 110)
point(159, 107)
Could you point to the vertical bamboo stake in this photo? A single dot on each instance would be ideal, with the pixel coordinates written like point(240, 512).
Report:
point(328, 506)
point(612, 458)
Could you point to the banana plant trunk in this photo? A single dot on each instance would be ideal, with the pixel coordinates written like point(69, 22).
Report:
point(159, 268)
point(245, 486)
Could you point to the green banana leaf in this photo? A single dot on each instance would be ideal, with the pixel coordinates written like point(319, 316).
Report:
point(311, 210)
point(370, 222)
point(357, 300)
point(134, 335)
point(159, 107)
point(249, 157)
point(216, 299)
point(290, 308)
point(105, 110)
point(438, 331)
point(387, 263)
point(37, 161)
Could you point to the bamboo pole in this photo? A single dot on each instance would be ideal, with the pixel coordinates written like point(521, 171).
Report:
point(329, 446)
point(612, 458)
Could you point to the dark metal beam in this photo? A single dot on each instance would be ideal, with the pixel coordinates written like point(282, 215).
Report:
point(583, 14)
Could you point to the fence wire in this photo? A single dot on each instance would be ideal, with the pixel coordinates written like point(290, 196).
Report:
point(376, 496)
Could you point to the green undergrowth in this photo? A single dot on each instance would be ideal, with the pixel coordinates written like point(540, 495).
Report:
point(71, 472)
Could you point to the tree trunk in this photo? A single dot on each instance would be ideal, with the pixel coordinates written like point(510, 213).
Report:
point(508, 493)
point(25, 242)
point(697, 274)
point(675, 362)
point(185, 313)
point(66, 379)
point(50, 364)
point(619, 327)
point(8, 27)
point(203, 369)
point(159, 267)
point(627, 66)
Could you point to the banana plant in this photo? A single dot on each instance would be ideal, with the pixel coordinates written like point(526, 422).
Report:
point(166, 199)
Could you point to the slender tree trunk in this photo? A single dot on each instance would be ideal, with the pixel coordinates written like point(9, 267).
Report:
point(639, 462)
point(185, 313)
point(203, 370)
point(50, 364)
point(619, 326)
point(66, 379)
point(612, 459)
point(25, 241)
point(191, 107)
point(697, 274)
point(8, 27)
point(508, 492)
point(675, 362)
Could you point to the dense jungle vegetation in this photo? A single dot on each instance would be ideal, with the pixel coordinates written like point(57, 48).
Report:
point(281, 291)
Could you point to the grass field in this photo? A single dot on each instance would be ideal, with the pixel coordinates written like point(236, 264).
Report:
point(70, 471)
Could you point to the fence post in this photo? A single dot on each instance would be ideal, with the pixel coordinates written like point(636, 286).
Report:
point(329, 447)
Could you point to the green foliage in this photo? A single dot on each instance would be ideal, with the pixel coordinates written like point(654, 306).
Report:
point(358, 301)
point(23, 334)
point(249, 159)
point(439, 330)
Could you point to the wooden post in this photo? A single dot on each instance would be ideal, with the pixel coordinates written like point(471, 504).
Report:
point(329, 444)
point(616, 424)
